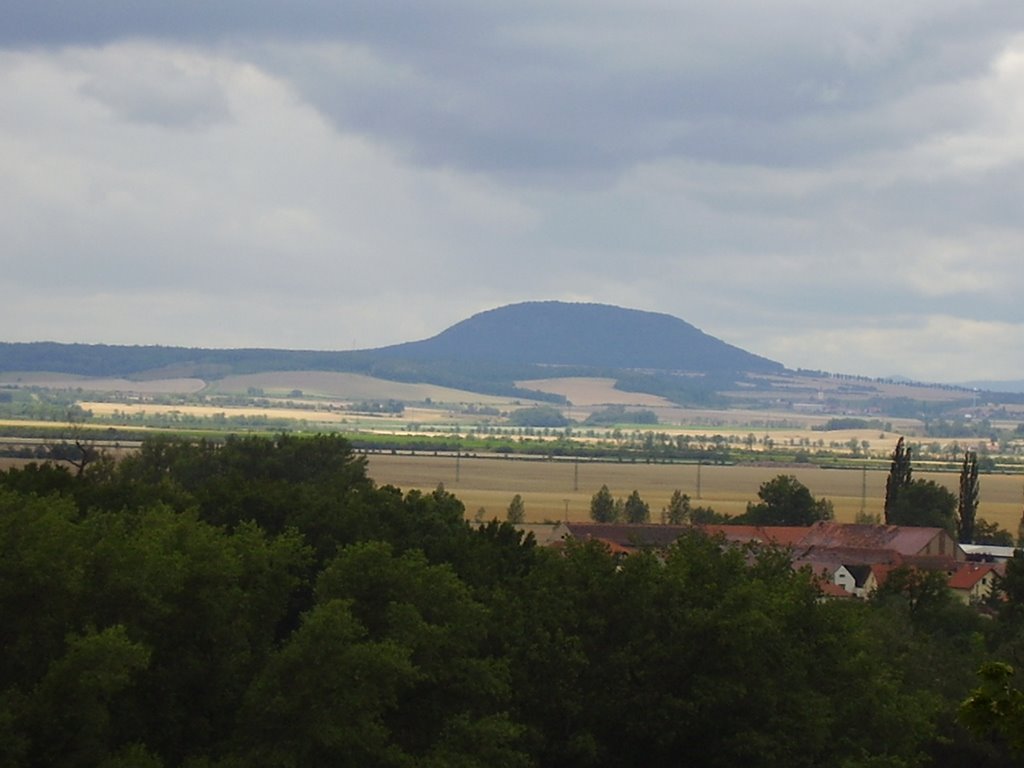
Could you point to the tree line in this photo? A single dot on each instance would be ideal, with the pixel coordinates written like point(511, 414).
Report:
point(263, 602)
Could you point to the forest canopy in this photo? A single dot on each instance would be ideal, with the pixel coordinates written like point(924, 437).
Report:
point(264, 602)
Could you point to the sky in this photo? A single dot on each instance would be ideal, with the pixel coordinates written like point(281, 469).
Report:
point(833, 185)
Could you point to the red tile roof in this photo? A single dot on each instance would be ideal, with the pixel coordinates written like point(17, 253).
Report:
point(828, 589)
point(780, 535)
point(970, 574)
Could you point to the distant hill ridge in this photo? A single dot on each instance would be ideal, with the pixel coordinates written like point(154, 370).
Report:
point(487, 353)
point(517, 336)
point(554, 333)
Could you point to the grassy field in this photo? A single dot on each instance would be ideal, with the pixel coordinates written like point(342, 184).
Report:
point(549, 488)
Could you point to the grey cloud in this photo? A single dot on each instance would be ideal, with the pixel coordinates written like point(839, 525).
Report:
point(579, 88)
point(774, 173)
point(159, 93)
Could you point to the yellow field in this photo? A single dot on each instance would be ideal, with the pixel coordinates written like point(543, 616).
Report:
point(310, 414)
point(547, 487)
point(347, 386)
point(594, 391)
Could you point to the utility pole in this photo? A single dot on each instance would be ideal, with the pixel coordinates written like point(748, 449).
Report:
point(863, 488)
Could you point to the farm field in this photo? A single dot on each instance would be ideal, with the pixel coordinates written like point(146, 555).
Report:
point(132, 409)
point(585, 391)
point(547, 486)
point(171, 386)
point(349, 386)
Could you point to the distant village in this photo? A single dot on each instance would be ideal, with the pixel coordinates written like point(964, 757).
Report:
point(848, 560)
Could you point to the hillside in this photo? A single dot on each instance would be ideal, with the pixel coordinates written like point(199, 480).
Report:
point(556, 333)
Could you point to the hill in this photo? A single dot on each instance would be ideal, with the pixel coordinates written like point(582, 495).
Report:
point(487, 353)
point(554, 333)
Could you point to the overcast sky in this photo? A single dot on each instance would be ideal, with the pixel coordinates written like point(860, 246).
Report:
point(834, 185)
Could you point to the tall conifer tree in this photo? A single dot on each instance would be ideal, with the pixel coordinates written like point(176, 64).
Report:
point(968, 508)
point(899, 477)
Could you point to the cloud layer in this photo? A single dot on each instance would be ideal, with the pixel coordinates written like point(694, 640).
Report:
point(833, 186)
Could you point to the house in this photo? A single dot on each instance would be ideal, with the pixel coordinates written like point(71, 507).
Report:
point(972, 583)
point(855, 579)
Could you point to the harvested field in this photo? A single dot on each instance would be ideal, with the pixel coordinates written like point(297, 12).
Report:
point(347, 386)
point(176, 386)
point(131, 409)
point(584, 391)
point(547, 486)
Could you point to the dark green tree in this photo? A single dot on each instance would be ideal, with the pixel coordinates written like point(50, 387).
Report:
point(457, 686)
point(516, 512)
point(635, 509)
point(787, 501)
point(925, 503)
point(992, 534)
point(602, 506)
point(996, 707)
point(1010, 594)
point(898, 479)
point(69, 715)
point(967, 509)
point(355, 680)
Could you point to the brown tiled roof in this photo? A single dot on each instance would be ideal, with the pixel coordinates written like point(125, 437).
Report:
point(837, 556)
point(930, 562)
point(626, 535)
point(907, 540)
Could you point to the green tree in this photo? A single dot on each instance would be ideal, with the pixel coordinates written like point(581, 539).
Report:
point(991, 534)
point(677, 512)
point(924, 503)
point(1010, 592)
point(516, 512)
point(324, 698)
point(427, 610)
point(602, 506)
point(996, 707)
point(787, 501)
point(70, 713)
point(899, 478)
point(967, 509)
point(538, 416)
point(635, 509)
